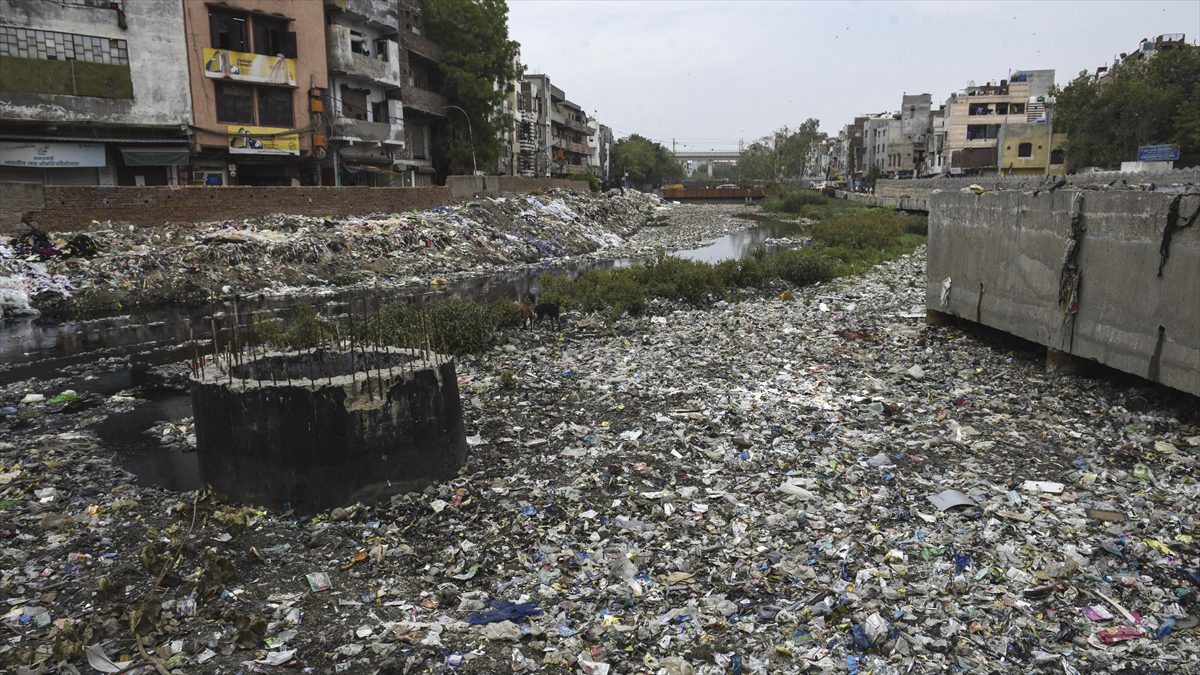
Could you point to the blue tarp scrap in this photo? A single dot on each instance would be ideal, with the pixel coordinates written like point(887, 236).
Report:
point(503, 610)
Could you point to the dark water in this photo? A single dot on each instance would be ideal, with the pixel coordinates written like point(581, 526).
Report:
point(30, 348)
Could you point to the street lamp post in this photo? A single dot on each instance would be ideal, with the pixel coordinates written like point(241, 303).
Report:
point(470, 137)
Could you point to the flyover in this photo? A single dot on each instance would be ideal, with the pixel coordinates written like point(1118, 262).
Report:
point(709, 158)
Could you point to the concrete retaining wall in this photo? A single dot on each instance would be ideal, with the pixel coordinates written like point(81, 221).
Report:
point(918, 203)
point(465, 187)
point(74, 207)
point(1005, 252)
point(923, 187)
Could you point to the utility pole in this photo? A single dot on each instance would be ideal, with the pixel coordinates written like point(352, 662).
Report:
point(470, 137)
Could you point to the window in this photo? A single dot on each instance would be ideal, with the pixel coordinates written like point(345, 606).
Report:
point(1001, 108)
point(1025, 150)
point(354, 103)
point(1056, 156)
point(235, 103)
point(358, 43)
point(228, 31)
point(275, 107)
point(379, 112)
point(977, 132)
point(271, 37)
point(1017, 108)
point(381, 49)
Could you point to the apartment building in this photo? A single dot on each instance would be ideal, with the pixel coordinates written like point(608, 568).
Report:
point(568, 136)
point(852, 149)
point(935, 144)
point(907, 154)
point(364, 111)
point(602, 161)
point(976, 116)
point(425, 108)
point(532, 119)
point(1031, 149)
point(878, 131)
point(257, 70)
point(90, 92)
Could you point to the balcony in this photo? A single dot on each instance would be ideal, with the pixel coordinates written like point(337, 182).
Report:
point(343, 60)
point(568, 146)
point(422, 46)
point(423, 100)
point(574, 125)
point(353, 131)
point(568, 167)
point(379, 14)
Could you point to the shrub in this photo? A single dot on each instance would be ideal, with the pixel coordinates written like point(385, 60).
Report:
point(752, 272)
point(555, 288)
point(676, 279)
point(593, 181)
point(803, 266)
point(916, 225)
point(792, 201)
point(452, 325)
point(873, 231)
point(506, 314)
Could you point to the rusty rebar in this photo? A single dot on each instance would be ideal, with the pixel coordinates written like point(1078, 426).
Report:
point(215, 344)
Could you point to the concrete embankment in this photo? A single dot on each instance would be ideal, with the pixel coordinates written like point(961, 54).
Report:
point(76, 207)
point(1112, 276)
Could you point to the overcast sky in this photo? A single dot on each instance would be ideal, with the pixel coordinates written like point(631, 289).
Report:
point(707, 73)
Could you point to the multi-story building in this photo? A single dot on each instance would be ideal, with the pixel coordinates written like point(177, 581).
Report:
point(935, 145)
point(1031, 149)
point(90, 92)
point(533, 126)
point(425, 109)
point(365, 116)
point(909, 151)
point(853, 150)
point(258, 74)
point(976, 115)
point(568, 136)
point(606, 144)
point(877, 129)
point(593, 144)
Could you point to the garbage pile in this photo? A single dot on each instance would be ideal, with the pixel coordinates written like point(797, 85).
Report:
point(128, 266)
point(816, 485)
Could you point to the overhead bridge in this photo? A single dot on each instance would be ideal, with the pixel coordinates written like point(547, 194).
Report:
point(710, 193)
point(711, 157)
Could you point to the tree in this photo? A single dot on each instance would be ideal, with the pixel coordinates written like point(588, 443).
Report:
point(1146, 102)
point(478, 69)
point(780, 157)
point(646, 163)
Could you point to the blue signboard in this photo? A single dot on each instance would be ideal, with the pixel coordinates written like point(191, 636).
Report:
point(1158, 153)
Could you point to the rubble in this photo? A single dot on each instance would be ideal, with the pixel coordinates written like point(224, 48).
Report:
point(286, 255)
point(738, 488)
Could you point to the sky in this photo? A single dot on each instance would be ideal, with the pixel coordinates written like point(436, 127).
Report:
point(708, 73)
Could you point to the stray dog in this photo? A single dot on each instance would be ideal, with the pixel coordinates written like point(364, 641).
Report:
point(526, 313)
point(547, 310)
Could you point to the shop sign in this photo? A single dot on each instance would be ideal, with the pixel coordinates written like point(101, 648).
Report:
point(51, 155)
point(246, 140)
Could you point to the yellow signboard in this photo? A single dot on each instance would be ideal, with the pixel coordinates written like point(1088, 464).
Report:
point(231, 65)
point(245, 140)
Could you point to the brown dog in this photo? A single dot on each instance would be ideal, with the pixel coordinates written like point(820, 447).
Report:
point(526, 313)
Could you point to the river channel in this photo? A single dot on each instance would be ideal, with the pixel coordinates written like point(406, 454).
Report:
point(38, 349)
